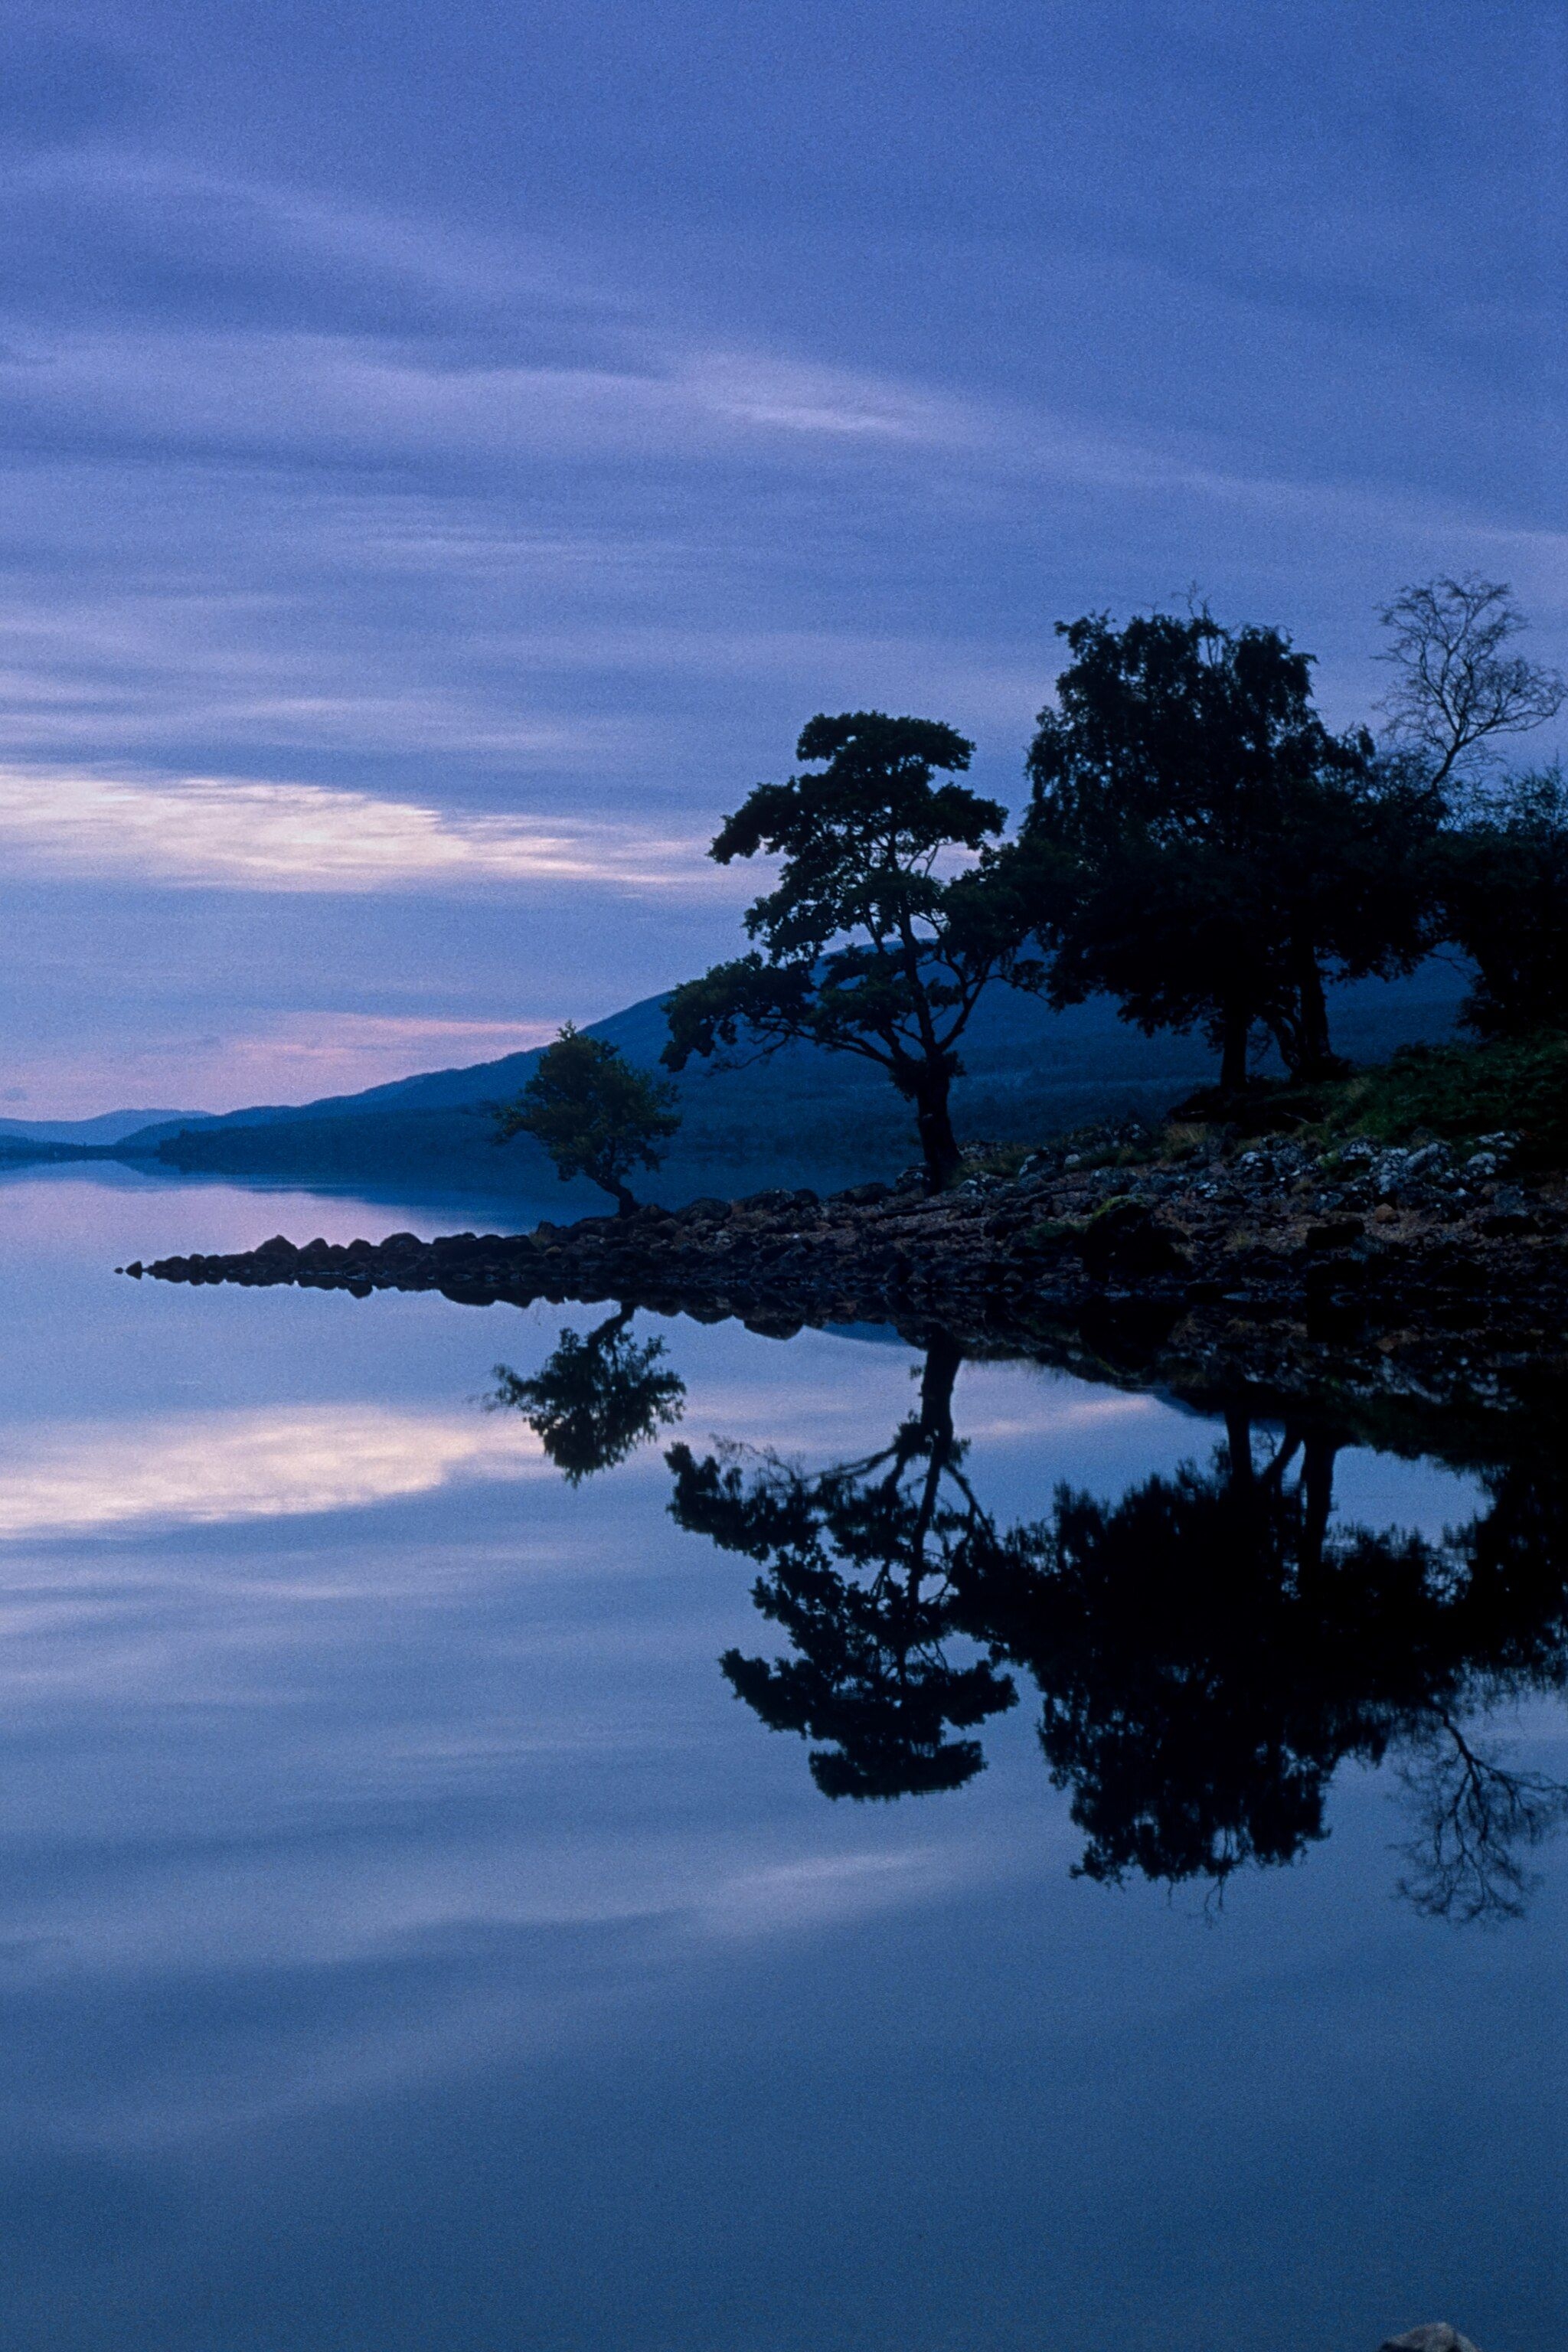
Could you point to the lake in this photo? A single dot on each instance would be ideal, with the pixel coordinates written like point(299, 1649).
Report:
point(417, 1931)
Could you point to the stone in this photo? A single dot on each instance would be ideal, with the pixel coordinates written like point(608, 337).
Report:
point(709, 1210)
point(1436, 2337)
point(1424, 1162)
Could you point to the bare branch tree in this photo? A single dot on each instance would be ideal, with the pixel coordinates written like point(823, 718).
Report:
point(1477, 1819)
point(1456, 685)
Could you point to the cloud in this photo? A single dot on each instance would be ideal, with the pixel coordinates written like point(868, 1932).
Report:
point(230, 833)
point(291, 1057)
point(217, 1468)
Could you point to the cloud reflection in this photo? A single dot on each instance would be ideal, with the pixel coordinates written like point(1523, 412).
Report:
point(211, 1469)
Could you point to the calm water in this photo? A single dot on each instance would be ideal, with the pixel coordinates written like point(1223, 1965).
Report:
point(414, 1937)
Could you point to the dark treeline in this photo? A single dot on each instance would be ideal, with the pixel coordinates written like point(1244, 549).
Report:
point(1207, 1650)
point(1198, 844)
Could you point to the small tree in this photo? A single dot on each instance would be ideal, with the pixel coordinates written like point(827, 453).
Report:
point(595, 1113)
point(866, 947)
point(1457, 688)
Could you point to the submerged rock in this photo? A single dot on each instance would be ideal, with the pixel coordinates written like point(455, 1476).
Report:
point(1436, 2337)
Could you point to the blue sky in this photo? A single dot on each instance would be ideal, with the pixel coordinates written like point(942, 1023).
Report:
point(449, 452)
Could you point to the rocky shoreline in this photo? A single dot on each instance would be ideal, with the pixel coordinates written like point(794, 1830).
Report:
point(1412, 1269)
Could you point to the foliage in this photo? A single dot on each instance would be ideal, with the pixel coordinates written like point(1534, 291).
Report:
point(1202, 847)
point(1504, 884)
point(595, 1113)
point(1459, 1092)
point(868, 945)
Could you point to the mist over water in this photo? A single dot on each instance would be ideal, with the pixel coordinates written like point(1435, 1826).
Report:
point(411, 1933)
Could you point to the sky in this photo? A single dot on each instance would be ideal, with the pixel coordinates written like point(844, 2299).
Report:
point(450, 452)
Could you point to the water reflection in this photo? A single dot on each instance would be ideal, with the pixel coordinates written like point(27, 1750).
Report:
point(595, 1400)
point(1209, 1648)
point(860, 1573)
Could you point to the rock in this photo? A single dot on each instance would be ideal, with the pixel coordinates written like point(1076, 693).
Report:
point(1122, 1238)
point(865, 1196)
point(1436, 2337)
point(709, 1210)
point(1429, 1161)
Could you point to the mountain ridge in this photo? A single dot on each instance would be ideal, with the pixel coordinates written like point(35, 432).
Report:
point(1029, 1071)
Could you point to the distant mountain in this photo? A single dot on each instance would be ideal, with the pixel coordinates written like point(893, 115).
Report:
point(803, 1115)
point(109, 1127)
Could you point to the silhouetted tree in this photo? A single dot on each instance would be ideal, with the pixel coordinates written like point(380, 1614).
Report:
point(594, 1400)
point(595, 1113)
point(866, 947)
point(857, 1562)
point(1504, 887)
point(1456, 686)
point(1204, 847)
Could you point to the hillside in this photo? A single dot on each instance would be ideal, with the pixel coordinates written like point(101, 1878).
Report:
point(1029, 1072)
point(109, 1127)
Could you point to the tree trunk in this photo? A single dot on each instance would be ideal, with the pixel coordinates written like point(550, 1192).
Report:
point(1238, 1449)
point(938, 1142)
point(1316, 1058)
point(943, 1358)
point(1318, 1495)
point(1234, 1028)
point(625, 1204)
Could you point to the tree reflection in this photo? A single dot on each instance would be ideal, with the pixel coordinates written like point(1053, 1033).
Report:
point(1209, 1648)
point(594, 1399)
point(858, 1564)
point(1476, 1819)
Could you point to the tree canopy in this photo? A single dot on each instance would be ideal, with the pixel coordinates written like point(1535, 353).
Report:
point(595, 1115)
point(1202, 846)
point(868, 944)
point(1504, 890)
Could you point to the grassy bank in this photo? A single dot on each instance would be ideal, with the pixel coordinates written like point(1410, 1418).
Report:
point(1451, 1094)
